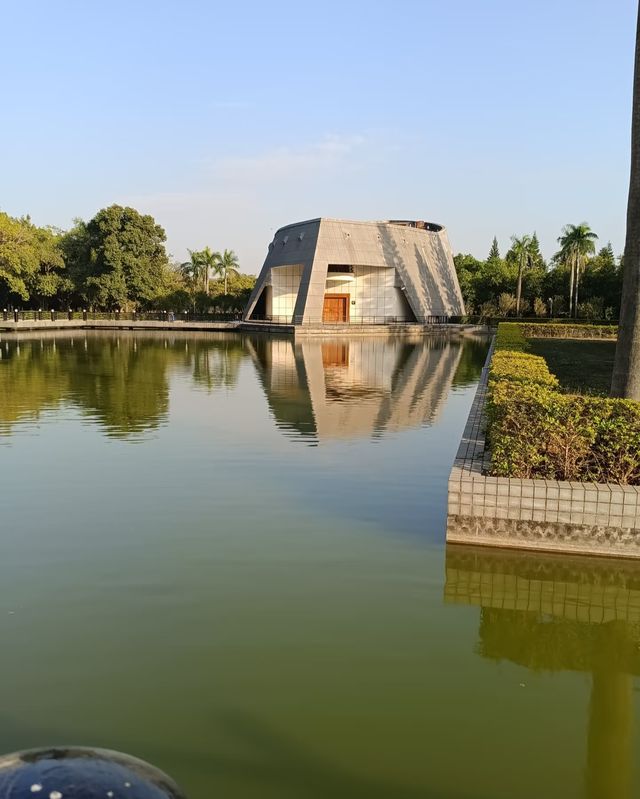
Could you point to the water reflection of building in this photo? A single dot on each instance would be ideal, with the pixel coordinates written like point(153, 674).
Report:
point(345, 388)
point(549, 613)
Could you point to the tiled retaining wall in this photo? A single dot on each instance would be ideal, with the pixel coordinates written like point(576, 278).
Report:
point(552, 515)
point(391, 329)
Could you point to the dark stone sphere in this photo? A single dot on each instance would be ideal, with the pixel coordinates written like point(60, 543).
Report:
point(79, 773)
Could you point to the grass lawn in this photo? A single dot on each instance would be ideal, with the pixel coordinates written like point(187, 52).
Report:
point(581, 366)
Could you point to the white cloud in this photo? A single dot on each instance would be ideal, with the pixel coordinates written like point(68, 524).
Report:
point(285, 162)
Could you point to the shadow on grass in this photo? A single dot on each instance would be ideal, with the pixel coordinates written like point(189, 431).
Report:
point(584, 367)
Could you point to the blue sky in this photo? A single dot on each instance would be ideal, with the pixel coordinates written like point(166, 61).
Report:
point(228, 120)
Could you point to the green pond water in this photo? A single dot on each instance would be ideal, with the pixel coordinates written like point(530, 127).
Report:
point(226, 555)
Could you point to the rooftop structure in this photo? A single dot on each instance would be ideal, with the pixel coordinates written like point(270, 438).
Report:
point(332, 271)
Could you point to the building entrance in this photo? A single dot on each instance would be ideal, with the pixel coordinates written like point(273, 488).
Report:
point(336, 308)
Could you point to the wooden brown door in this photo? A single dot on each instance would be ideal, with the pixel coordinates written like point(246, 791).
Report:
point(336, 308)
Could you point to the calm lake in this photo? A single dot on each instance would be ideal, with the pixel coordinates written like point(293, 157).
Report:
point(225, 555)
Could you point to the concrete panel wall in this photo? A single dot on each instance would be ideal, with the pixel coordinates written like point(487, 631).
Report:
point(285, 285)
point(374, 292)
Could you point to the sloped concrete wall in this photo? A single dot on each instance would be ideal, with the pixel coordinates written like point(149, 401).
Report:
point(291, 246)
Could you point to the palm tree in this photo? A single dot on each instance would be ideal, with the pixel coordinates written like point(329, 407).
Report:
point(522, 251)
point(199, 267)
point(226, 263)
point(576, 243)
point(208, 260)
point(192, 272)
point(626, 368)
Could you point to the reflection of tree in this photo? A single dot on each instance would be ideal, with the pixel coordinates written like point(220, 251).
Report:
point(32, 378)
point(549, 613)
point(472, 360)
point(121, 380)
point(543, 643)
point(216, 365)
point(611, 714)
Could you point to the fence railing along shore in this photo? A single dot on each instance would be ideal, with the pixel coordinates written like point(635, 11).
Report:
point(117, 316)
point(53, 315)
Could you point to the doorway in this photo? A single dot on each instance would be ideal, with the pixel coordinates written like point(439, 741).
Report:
point(336, 308)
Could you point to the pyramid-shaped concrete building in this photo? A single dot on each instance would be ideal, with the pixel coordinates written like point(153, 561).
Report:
point(333, 271)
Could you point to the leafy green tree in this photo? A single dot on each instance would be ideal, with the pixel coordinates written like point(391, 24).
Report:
point(226, 264)
point(18, 257)
point(533, 284)
point(482, 282)
point(31, 262)
point(603, 281)
point(118, 258)
point(577, 242)
point(468, 270)
point(49, 283)
point(497, 276)
point(175, 294)
point(239, 287)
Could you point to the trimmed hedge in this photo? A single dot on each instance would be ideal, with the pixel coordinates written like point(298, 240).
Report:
point(535, 430)
point(552, 330)
point(511, 361)
point(521, 368)
point(511, 337)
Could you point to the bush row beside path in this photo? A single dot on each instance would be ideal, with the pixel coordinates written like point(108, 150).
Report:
point(554, 330)
point(534, 429)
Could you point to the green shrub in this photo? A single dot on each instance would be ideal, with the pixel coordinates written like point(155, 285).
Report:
point(554, 330)
point(534, 430)
point(521, 368)
point(510, 337)
point(511, 361)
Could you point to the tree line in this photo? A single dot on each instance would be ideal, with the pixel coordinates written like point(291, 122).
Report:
point(578, 281)
point(116, 260)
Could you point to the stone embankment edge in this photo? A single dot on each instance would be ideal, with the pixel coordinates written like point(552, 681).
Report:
point(543, 515)
point(245, 327)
